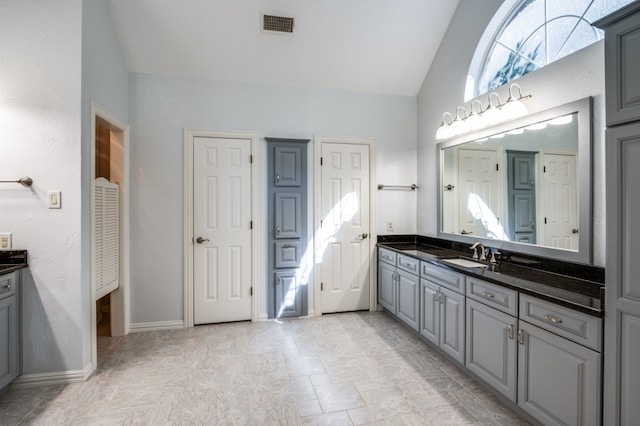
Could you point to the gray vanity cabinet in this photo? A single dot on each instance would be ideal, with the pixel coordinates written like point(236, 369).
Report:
point(559, 374)
point(622, 302)
point(491, 347)
point(442, 312)
point(558, 380)
point(9, 329)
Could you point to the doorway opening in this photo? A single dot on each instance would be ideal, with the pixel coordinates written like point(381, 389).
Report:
point(109, 230)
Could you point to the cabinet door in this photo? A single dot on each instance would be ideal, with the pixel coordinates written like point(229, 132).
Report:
point(288, 296)
point(288, 215)
point(8, 340)
point(491, 347)
point(408, 285)
point(622, 61)
point(558, 380)
point(288, 166)
point(430, 311)
point(452, 324)
point(387, 287)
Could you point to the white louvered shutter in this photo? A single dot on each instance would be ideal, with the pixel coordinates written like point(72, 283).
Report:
point(106, 237)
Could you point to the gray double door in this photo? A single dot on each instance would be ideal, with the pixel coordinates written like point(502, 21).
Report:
point(288, 266)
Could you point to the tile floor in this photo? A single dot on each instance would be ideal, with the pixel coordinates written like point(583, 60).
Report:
point(342, 369)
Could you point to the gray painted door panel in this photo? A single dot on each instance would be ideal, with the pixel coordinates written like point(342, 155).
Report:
point(386, 286)
point(408, 285)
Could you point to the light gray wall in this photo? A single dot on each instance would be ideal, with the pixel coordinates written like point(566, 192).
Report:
point(161, 107)
point(105, 81)
point(571, 78)
point(40, 91)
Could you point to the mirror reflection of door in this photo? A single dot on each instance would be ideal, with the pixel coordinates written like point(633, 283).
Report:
point(522, 196)
point(480, 183)
point(559, 201)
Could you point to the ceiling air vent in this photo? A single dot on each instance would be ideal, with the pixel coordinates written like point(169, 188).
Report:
point(279, 24)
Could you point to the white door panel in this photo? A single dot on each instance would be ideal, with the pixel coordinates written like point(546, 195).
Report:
point(559, 201)
point(343, 238)
point(222, 218)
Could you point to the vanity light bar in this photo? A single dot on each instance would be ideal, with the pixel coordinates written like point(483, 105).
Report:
point(496, 112)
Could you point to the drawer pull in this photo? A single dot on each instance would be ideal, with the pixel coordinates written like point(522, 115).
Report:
point(552, 319)
point(487, 295)
point(288, 246)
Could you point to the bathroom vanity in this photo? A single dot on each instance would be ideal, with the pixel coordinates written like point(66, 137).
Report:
point(11, 264)
point(528, 327)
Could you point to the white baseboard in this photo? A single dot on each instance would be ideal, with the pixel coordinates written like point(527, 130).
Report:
point(45, 379)
point(155, 326)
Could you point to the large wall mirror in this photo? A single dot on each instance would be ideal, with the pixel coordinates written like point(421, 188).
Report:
point(524, 185)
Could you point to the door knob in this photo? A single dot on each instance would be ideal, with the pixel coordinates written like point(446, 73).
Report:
point(363, 236)
point(201, 240)
point(574, 231)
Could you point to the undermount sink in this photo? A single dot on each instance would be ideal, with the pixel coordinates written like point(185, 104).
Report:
point(465, 263)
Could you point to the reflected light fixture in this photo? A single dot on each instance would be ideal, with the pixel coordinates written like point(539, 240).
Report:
point(558, 121)
point(478, 118)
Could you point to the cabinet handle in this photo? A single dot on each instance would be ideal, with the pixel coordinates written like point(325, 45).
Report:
point(288, 246)
point(441, 298)
point(7, 286)
point(552, 319)
point(278, 281)
point(277, 230)
point(277, 178)
point(436, 296)
point(510, 331)
point(521, 337)
point(487, 295)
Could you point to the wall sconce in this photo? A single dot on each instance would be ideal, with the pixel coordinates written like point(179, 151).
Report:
point(496, 112)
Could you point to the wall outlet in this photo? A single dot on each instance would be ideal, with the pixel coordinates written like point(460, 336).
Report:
point(389, 226)
point(5, 240)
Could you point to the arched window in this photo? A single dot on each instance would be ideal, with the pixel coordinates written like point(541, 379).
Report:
point(525, 35)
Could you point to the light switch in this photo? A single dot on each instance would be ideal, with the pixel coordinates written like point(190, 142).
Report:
point(55, 200)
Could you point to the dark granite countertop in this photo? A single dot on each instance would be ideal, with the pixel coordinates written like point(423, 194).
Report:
point(575, 292)
point(12, 260)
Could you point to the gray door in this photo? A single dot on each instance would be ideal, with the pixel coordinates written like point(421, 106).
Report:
point(491, 347)
point(522, 196)
point(430, 311)
point(558, 380)
point(386, 286)
point(408, 285)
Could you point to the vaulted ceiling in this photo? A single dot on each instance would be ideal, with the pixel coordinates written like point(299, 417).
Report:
point(372, 46)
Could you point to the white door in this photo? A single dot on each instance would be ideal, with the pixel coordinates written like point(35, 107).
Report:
point(559, 201)
point(480, 212)
point(221, 229)
point(343, 238)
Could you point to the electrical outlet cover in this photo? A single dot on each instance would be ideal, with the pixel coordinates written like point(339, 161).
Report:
point(5, 240)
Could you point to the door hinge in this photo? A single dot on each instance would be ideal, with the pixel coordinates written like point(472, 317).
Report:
point(251, 291)
point(321, 161)
point(321, 286)
point(250, 158)
point(544, 169)
point(545, 220)
point(251, 224)
point(320, 223)
point(497, 167)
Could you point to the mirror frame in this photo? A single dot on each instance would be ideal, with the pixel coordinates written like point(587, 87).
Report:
point(584, 254)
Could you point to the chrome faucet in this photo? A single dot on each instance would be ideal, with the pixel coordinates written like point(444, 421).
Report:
point(474, 247)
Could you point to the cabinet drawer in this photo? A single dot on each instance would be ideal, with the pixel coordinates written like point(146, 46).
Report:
point(501, 298)
point(387, 255)
point(409, 264)
point(577, 326)
point(8, 285)
point(287, 254)
point(451, 280)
